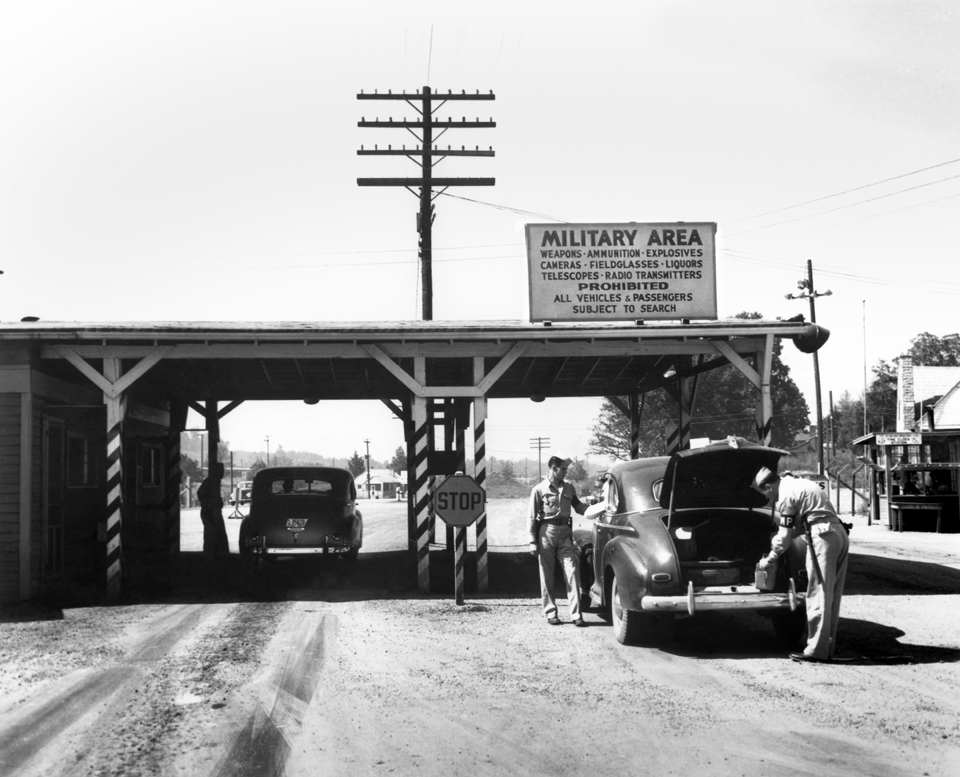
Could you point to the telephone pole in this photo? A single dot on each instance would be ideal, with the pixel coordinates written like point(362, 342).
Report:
point(539, 443)
point(426, 103)
point(368, 467)
point(807, 292)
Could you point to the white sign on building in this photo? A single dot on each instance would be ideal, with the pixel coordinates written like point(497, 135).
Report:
point(622, 272)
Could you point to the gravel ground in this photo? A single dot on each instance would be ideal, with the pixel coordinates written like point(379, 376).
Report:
point(331, 669)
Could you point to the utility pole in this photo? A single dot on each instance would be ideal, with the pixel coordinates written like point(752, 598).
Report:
point(425, 154)
point(807, 292)
point(539, 443)
point(368, 467)
point(267, 441)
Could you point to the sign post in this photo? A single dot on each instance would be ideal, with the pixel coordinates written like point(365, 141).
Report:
point(459, 501)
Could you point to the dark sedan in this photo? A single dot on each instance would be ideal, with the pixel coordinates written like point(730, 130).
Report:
point(681, 535)
point(302, 511)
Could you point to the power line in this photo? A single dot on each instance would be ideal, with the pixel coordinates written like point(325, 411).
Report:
point(842, 207)
point(847, 191)
point(933, 285)
point(506, 208)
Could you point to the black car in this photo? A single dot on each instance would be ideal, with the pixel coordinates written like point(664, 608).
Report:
point(297, 511)
point(682, 535)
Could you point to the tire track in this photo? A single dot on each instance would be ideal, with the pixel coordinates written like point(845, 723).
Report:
point(263, 743)
point(70, 700)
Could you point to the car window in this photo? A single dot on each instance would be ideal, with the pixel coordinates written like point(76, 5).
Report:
point(611, 495)
point(286, 486)
point(657, 488)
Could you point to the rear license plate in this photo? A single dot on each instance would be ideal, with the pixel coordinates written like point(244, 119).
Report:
point(296, 524)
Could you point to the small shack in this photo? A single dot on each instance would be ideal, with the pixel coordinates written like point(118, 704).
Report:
point(916, 470)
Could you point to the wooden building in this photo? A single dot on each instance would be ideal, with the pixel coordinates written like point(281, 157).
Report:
point(916, 469)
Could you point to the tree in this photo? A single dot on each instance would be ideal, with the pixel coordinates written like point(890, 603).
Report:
point(258, 465)
point(846, 421)
point(398, 463)
point(281, 458)
point(882, 398)
point(355, 464)
point(577, 473)
point(725, 405)
point(189, 468)
point(931, 351)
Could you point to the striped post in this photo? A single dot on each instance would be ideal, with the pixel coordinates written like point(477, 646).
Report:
point(116, 409)
point(764, 409)
point(634, 427)
point(459, 544)
point(114, 522)
point(480, 475)
point(173, 493)
point(421, 492)
point(671, 438)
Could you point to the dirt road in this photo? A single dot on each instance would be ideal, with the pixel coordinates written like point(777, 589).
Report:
point(313, 669)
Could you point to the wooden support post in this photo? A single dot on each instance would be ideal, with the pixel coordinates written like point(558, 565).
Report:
point(113, 549)
point(480, 474)
point(172, 533)
point(421, 490)
point(764, 406)
point(460, 542)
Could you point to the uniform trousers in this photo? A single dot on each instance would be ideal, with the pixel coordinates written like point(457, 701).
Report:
point(556, 542)
point(831, 546)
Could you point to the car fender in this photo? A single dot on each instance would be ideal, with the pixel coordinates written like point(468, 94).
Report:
point(622, 558)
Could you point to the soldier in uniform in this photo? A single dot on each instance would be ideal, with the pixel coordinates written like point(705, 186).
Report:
point(804, 508)
point(551, 537)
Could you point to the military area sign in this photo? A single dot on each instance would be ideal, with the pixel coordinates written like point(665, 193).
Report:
point(622, 272)
point(459, 500)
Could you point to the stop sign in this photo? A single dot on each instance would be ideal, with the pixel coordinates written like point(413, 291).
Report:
point(459, 500)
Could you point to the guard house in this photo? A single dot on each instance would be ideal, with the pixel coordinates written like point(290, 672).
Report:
point(915, 471)
point(91, 414)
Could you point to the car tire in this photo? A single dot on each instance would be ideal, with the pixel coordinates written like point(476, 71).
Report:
point(790, 625)
point(351, 555)
point(627, 625)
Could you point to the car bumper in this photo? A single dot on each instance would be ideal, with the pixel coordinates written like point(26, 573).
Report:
point(300, 551)
point(741, 597)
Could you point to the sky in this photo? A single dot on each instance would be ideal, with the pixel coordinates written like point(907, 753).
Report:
point(196, 161)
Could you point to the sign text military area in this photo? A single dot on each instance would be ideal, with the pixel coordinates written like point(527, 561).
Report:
point(622, 272)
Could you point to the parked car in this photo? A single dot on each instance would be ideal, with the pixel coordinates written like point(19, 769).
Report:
point(302, 511)
point(681, 535)
point(241, 493)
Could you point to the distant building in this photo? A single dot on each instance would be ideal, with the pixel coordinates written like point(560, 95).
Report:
point(382, 484)
point(928, 398)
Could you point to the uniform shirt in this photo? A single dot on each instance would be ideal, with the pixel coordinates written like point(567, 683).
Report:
point(801, 503)
point(549, 502)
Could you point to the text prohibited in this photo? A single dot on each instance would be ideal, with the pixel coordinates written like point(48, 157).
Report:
point(459, 500)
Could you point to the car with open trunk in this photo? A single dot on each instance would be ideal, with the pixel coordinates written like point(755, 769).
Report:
point(681, 535)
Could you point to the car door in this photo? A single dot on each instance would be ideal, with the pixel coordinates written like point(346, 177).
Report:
point(609, 523)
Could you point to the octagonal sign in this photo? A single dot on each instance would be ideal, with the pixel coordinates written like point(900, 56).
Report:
point(459, 500)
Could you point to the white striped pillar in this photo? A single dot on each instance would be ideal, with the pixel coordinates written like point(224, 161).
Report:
point(459, 545)
point(421, 491)
point(634, 427)
point(116, 409)
point(480, 475)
